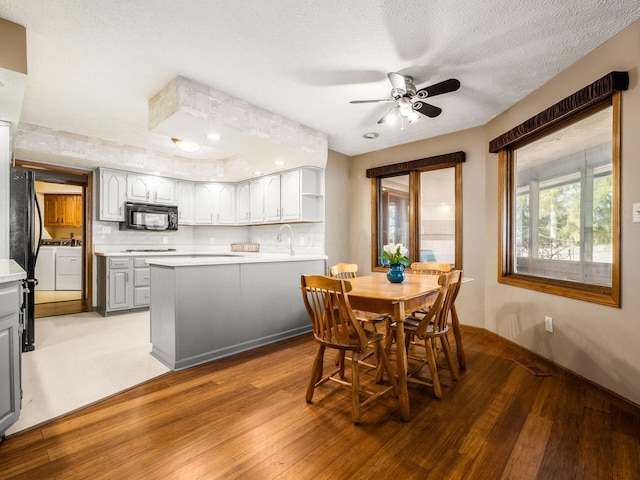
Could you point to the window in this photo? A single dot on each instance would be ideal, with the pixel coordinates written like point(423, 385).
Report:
point(560, 198)
point(419, 204)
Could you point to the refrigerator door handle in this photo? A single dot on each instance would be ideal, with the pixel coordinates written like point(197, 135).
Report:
point(35, 196)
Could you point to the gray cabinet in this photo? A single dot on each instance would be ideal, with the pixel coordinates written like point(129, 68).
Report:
point(141, 281)
point(123, 284)
point(203, 312)
point(119, 294)
point(10, 388)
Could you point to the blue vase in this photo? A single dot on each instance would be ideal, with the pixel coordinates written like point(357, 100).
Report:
point(396, 273)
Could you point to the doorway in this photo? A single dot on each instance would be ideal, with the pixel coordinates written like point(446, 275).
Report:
point(64, 266)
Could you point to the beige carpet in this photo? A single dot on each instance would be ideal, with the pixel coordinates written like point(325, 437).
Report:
point(80, 359)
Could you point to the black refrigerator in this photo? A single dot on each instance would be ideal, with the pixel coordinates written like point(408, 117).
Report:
point(24, 216)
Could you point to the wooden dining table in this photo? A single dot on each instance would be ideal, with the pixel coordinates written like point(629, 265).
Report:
point(374, 293)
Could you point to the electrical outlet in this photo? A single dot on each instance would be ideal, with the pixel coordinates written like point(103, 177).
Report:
point(636, 212)
point(106, 229)
point(165, 240)
point(212, 240)
point(548, 324)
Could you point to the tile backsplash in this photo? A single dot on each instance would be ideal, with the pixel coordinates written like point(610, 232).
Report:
point(308, 238)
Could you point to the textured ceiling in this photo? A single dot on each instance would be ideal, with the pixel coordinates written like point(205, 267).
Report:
point(93, 66)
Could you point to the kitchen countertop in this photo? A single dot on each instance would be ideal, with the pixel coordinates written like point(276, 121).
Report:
point(228, 258)
point(10, 271)
point(158, 253)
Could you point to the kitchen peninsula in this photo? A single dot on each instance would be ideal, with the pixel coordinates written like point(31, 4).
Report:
point(209, 307)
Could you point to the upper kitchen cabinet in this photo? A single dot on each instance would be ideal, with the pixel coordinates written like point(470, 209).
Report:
point(256, 201)
point(151, 189)
point(293, 196)
point(243, 205)
point(224, 203)
point(62, 210)
point(272, 198)
point(204, 203)
point(302, 195)
point(113, 195)
point(185, 198)
point(215, 203)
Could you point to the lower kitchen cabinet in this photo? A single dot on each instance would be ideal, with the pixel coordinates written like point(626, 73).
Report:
point(10, 388)
point(123, 284)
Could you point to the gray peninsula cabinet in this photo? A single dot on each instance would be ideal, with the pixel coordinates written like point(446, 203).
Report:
point(203, 311)
point(10, 384)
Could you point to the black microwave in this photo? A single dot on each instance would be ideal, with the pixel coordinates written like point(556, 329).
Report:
point(146, 216)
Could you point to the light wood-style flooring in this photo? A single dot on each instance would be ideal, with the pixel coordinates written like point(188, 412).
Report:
point(246, 417)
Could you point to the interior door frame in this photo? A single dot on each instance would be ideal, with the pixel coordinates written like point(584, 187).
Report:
point(84, 178)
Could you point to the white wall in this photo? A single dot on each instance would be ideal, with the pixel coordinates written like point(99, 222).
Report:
point(338, 213)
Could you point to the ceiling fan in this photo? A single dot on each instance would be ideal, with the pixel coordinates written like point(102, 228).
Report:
point(409, 100)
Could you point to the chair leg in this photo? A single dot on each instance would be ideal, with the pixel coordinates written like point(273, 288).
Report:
point(433, 366)
point(384, 365)
point(447, 353)
point(316, 372)
point(355, 387)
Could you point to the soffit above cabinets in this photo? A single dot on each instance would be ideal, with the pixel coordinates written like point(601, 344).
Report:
point(251, 138)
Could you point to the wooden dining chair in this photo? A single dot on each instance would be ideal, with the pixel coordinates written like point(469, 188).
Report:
point(437, 268)
point(433, 326)
point(335, 326)
point(430, 268)
point(346, 271)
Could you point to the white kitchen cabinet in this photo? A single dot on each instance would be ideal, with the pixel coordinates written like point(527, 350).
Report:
point(113, 194)
point(243, 206)
point(185, 198)
point(224, 203)
point(10, 383)
point(290, 195)
point(256, 200)
point(304, 201)
point(68, 268)
point(151, 189)
point(272, 198)
point(204, 198)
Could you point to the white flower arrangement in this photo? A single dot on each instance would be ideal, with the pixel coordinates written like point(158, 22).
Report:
point(395, 253)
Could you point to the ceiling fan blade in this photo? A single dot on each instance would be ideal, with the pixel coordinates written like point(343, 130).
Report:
point(383, 100)
point(430, 111)
point(389, 116)
point(398, 81)
point(446, 86)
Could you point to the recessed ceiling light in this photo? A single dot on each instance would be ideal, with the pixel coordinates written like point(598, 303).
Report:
point(257, 172)
point(370, 135)
point(185, 145)
point(214, 137)
point(279, 163)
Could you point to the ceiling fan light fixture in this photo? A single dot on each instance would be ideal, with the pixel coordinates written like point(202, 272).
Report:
point(413, 117)
point(404, 107)
point(185, 145)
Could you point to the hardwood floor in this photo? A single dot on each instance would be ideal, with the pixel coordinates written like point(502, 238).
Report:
point(246, 417)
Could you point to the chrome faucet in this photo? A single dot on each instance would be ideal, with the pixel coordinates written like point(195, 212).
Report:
point(279, 237)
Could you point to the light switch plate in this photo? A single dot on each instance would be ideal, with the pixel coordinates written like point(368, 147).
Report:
point(636, 212)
